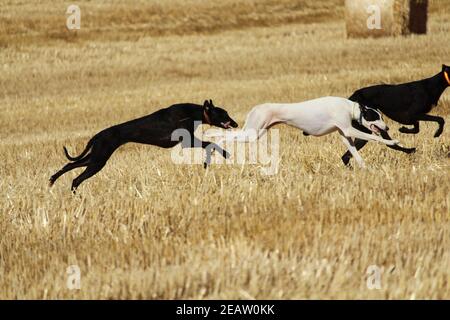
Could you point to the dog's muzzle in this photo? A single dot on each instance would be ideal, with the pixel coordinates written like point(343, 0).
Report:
point(375, 129)
point(226, 125)
point(229, 125)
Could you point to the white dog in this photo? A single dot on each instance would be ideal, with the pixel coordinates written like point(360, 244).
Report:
point(316, 117)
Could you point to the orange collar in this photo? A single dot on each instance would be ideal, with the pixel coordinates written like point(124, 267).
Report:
point(205, 115)
point(446, 77)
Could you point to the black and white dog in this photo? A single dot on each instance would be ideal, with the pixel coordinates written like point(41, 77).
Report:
point(316, 117)
point(406, 103)
point(154, 129)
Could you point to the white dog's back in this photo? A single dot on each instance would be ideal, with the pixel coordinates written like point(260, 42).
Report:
point(310, 116)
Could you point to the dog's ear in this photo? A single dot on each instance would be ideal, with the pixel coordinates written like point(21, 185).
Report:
point(206, 105)
point(211, 103)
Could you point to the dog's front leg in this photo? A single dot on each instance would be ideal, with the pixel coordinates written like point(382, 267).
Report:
point(350, 144)
point(209, 147)
point(386, 136)
point(412, 130)
point(352, 132)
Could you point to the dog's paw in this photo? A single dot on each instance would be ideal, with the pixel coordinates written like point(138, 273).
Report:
point(349, 166)
point(346, 160)
point(438, 133)
point(408, 130)
point(226, 154)
point(410, 150)
point(51, 182)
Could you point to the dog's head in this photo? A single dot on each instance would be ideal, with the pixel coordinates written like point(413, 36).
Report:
point(216, 116)
point(372, 120)
point(446, 72)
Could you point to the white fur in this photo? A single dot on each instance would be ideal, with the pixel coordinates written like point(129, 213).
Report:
point(316, 117)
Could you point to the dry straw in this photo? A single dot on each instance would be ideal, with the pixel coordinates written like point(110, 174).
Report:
point(398, 17)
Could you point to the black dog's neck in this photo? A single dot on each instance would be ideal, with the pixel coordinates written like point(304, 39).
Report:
point(198, 114)
point(436, 85)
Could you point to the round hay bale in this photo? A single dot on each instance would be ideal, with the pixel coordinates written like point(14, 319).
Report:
point(377, 18)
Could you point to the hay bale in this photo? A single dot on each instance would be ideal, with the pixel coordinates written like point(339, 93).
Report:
point(397, 17)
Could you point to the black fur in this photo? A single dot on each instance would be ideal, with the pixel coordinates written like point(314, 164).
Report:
point(406, 103)
point(154, 129)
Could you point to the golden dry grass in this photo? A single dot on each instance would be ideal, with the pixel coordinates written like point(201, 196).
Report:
point(147, 228)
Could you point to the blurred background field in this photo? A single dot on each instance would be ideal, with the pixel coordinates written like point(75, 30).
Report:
point(145, 227)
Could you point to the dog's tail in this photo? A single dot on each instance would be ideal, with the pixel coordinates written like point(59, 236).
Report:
point(86, 150)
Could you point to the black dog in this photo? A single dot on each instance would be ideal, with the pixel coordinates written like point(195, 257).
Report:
point(155, 129)
point(406, 103)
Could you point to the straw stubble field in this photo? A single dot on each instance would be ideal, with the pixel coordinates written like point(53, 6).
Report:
point(145, 227)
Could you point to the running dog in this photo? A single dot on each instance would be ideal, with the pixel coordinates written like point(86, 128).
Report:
point(154, 129)
point(315, 117)
point(406, 103)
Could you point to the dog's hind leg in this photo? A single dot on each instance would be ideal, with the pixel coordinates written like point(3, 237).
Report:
point(91, 170)
point(413, 130)
point(99, 155)
point(350, 144)
point(248, 136)
point(440, 121)
point(67, 168)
